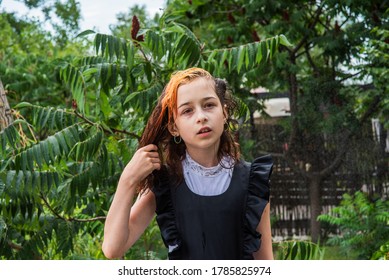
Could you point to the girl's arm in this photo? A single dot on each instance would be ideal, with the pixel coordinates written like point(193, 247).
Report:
point(265, 252)
point(126, 222)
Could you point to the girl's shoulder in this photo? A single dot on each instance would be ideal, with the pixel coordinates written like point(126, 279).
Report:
point(260, 166)
point(260, 170)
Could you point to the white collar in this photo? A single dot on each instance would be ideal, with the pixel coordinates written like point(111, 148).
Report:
point(225, 165)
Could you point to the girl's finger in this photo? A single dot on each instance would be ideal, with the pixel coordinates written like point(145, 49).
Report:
point(150, 148)
point(157, 166)
point(153, 154)
point(155, 160)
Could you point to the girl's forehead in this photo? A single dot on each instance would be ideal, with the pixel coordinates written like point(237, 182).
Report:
point(197, 96)
point(199, 86)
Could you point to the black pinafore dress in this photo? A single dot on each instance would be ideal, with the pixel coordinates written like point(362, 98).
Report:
point(220, 227)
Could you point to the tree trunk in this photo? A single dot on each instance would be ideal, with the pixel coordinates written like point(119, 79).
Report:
point(382, 161)
point(315, 203)
point(5, 111)
point(293, 88)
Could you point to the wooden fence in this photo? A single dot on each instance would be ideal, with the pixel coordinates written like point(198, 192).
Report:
point(290, 205)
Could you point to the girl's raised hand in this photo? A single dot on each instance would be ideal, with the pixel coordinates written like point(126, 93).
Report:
point(144, 161)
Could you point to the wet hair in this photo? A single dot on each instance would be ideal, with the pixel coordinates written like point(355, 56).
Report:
point(156, 131)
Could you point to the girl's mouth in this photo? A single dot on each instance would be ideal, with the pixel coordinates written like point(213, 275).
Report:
point(204, 130)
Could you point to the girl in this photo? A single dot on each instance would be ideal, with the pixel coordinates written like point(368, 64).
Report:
point(209, 203)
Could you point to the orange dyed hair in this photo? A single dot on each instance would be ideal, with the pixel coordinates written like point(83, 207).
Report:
point(156, 131)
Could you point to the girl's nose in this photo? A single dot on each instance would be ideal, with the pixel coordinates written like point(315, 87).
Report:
point(201, 117)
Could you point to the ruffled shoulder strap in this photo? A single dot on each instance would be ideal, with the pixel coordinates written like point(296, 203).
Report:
point(261, 169)
point(257, 199)
point(166, 214)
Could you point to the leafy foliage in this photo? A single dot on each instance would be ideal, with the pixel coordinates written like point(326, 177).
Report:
point(298, 250)
point(382, 253)
point(363, 224)
point(29, 57)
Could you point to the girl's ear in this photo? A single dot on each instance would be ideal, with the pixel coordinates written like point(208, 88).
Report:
point(173, 129)
point(225, 113)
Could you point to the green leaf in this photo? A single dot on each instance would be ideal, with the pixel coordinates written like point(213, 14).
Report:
point(223, 58)
point(294, 250)
point(3, 227)
point(265, 49)
point(45, 151)
point(250, 55)
point(303, 255)
point(22, 105)
point(10, 177)
point(37, 155)
point(273, 46)
point(85, 33)
point(103, 43)
point(241, 57)
point(259, 55)
point(130, 57)
point(232, 58)
point(111, 47)
point(284, 41)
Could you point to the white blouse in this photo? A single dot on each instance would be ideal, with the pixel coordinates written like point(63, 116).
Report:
point(207, 181)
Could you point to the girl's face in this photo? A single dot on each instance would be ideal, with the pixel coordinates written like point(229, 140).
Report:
point(200, 117)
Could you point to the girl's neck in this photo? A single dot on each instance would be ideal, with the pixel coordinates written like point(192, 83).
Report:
point(204, 158)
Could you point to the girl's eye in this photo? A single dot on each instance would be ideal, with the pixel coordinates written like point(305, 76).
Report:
point(186, 111)
point(209, 105)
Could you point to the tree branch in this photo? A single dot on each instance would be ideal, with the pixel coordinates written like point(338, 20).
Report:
point(344, 145)
point(350, 76)
point(293, 88)
point(99, 218)
point(311, 62)
point(106, 130)
point(324, 25)
point(345, 21)
point(311, 26)
point(50, 208)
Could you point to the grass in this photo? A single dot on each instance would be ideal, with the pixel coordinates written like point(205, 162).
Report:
point(335, 253)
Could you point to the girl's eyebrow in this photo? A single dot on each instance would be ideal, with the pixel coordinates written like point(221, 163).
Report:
point(202, 100)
